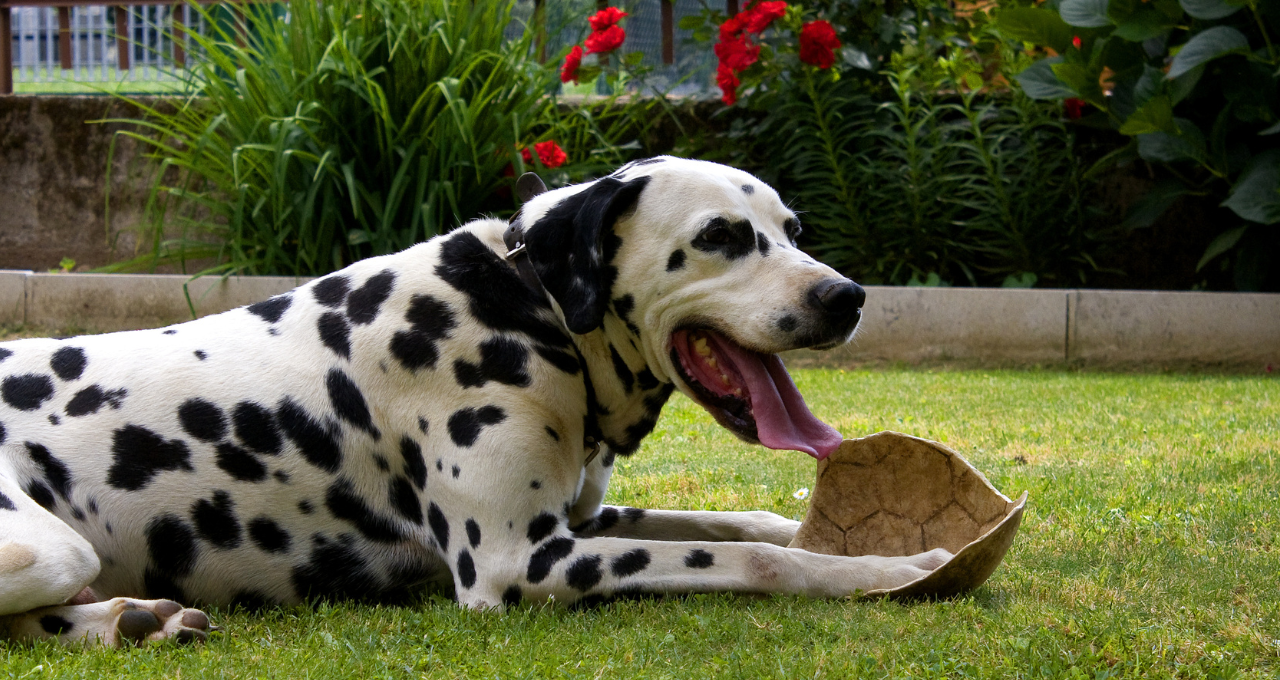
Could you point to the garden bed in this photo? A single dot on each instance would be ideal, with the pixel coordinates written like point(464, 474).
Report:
point(1149, 549)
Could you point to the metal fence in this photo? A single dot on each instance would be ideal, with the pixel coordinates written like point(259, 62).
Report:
point(143, 46)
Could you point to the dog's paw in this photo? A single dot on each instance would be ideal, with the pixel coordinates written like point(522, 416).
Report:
point(139, 621)
point(930, 561)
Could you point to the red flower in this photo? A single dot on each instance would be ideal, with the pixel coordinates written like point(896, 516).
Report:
point(731, 27)
point(818, 43)
point(1076, 42)
point(571, 63)
point(758, 18)
point(1073, 107)
point(728, 82)
point(607, 40)
point(737, 54)
point(550, 153)
point(609, 16)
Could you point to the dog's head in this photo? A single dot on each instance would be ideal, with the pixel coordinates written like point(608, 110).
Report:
point(697, 264)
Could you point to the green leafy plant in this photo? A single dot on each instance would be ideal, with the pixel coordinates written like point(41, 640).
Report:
point(1195, 84)
point(348, 129)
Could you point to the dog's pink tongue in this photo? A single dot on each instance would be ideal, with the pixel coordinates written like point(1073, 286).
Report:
point(783, 421)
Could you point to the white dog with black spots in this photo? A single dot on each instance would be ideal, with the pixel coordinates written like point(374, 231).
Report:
point(450, 413)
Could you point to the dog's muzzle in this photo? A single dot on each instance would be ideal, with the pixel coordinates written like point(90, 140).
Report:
point(837, 303)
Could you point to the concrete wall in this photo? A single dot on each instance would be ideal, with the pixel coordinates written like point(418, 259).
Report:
point(1091, 327)
point(53, 181)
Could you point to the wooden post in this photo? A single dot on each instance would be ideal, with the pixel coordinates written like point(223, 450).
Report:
point(64, 37)
point(122, 38)
point(731, 7)
point(179, 35)
point(6, 51)
point(668, 32)
point(539, 28)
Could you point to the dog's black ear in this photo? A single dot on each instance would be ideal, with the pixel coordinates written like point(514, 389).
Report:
point(572, 248)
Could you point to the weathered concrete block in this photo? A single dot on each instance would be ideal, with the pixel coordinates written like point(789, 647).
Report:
point(1120, 326)
point(111, 302)
point(996, 324)
point(13, 296)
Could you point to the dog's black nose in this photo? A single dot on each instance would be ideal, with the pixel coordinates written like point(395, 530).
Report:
point(839, 298)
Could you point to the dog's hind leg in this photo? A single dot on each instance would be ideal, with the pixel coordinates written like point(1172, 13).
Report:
point(757, 526)
point(44, 564)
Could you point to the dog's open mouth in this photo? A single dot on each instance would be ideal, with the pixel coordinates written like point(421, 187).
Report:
point(749, 393)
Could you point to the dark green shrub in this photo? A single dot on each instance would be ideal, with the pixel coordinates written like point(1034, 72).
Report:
point(1196, 85)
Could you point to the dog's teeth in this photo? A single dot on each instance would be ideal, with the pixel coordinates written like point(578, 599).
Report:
point(724, 379)
point(737, 391)
point(711, 361)
point(701, 346)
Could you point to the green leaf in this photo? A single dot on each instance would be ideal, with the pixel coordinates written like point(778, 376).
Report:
point(1153, 204)
point(1256, 195)
point(1185, 83)
point(1085, 13)
point(689, 22)
point(1209, 9)
point(1225, 241)
point(1039, 82)
point(1167, 148)
point(1148, 85)
point(1143, 24)
point(1205, 47)
point(1020, 280)
point(1156, 115)
point(1081, 79)
point(1035, 25)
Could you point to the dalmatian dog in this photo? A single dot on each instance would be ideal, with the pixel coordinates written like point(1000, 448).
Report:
point(450, 413)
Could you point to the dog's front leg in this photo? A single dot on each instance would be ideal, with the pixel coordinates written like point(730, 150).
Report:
point(757, 526)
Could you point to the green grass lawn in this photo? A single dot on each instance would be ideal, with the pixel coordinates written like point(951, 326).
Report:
point(1150, 548)
point(116, 82)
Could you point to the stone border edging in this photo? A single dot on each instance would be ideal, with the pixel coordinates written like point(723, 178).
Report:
point(1043, 326)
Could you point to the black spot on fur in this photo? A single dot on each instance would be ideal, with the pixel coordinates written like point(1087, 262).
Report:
point(216, 521)
point(466, 569)
point(200, 354)
point(621, 369)
point(748, 189)
point(335, 333)
point(562, 360)
point(331, 290)
point(633, 514)
point(335, 570)
point(762, 243)
point(414, 465)
point(5, 354)
point(604, 521)
point(502, 360)
point(405, 500)
point(732, 239)
point(55, 625)
point(497, 297)
point(281, 476)
point(623, 307)
point(465, 424)
point(646, 380)
point(172, 546)
point(676, 261)
point(364, 302)
point(38, 492)
point(169, 332)
point(456, 471)
point(349, 403)
point(584, 573)
point(202, 420)
point(26, 392)
point(473, 533)
point(305, 507)
point(699, 559)
point(439, 526)
point(256, 428)
point(630, 562)
point(431, 320)
point(6, 503)
point(269, 536)
point(77, 514)
point(2, 433)
point(251, 601)
point(439, 465)
point(535, 485)
point(345, 504)
point(53, 420)
point(161, 587)
point(93, 507)
point(381, 463)
point(554, 435)
point(541, 527)
point(272, 309)
point(240, 464)
point(55, 471)
point(140, 454)
point(318, 443)
point(512, 595)
point(787, 323)
point(545, 557)
point(68, 363)
point(422, 425)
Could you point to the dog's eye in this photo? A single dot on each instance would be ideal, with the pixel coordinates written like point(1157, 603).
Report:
point(717, 236)
point(792, 228)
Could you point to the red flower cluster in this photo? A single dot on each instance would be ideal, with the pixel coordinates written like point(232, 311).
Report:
point(735, 50)
point(1073, 107)
point(818, 43)
point(606, 34)
point(550, 153)
point(571, 63)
